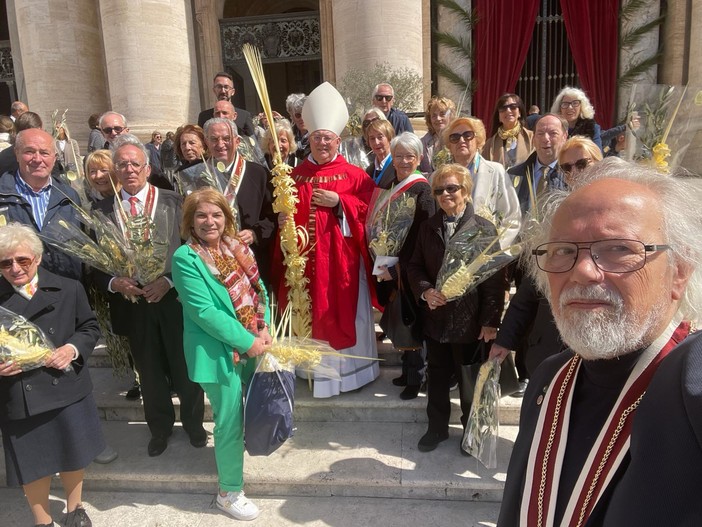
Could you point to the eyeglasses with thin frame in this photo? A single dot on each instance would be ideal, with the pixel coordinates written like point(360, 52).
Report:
point(323, 138)
point(122, 165)
point(116, 129)
point(612, 256)
point(580, 164)
point(406, 158)
point(570, 104)
point(223, 87)
point(387, 98)
point(23, 261)
point(451, 189)
point(467, 136)
point(513, 106)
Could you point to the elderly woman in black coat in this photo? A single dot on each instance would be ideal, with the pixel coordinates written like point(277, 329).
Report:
point(48, 416)
point(453, 330)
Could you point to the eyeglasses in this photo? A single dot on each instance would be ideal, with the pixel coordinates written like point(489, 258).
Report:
point(611, 256)
point(323, 138)
point(405, 158)
point(23, 261)
point(505, 107)
point(451, 189)
point(116, 129)
point(384, 98)
point(468, 135)
point(122, 165)
point(223, 87)
point(570, 104)
point(580, 164)
point(366, 122)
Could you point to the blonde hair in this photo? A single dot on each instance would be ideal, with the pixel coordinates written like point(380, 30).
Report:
point(476, 125)
point(461, 173)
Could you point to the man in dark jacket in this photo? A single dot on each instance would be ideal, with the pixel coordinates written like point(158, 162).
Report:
point(609, 433)
point(224, 90)
point(31, 196)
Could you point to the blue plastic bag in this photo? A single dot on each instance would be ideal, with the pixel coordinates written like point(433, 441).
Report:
point(268, 410)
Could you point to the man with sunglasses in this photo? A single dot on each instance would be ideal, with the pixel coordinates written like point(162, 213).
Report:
point(610, 429)
point(383, 99)
point(112, 124)
point(223, 89)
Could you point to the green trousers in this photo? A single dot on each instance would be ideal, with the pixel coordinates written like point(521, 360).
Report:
point(228, 411)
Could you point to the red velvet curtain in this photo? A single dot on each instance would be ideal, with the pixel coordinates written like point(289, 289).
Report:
point(501, 41)
point(593, 32)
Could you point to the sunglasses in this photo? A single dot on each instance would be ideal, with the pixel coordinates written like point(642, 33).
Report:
point(580, 164)
point(384, 97)
point(451, 189)
point(468, 135)
point(115, 129)
point(23, 261)
point(505, 107)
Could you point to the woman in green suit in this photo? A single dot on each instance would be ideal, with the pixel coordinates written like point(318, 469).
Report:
point(226, 317)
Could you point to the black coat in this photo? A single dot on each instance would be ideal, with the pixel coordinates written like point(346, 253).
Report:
point(59, 308)
point(659, 480)
point(460, 320)
point(529, 318)
point(523, 172)
point(243, 121)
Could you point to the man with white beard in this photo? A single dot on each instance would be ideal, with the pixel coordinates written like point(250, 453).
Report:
point(611, 430)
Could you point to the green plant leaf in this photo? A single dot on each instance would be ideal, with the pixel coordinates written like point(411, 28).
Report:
point(637, 68)
point(449, 74)
point(467, 16)
point(630, 39)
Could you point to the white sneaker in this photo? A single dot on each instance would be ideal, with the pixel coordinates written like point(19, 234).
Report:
point(238, 505)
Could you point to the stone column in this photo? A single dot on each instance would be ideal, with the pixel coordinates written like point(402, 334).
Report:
point(367, 32)
point(58, 59)
point(209, 47)
point(151, 64)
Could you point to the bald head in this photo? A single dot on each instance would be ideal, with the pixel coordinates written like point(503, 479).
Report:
point(224, 110)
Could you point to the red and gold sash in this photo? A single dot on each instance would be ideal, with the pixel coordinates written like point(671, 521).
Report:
point(611, 446)
point(234, 179)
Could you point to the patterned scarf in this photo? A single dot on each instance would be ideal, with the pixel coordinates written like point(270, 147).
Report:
point(236, 269)
point(509, 136)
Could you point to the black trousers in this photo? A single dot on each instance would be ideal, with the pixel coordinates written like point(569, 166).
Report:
point(414, 366)
point(444, 360)
point(156, 342)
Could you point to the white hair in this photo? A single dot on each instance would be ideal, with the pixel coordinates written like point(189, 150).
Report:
point(409, 141)
point(16, 235)
point(586, 109)
point(102, 117)
point(220, 120)
point(127, 139)
point(378, 86)
point(679, 198)
point(294, 103)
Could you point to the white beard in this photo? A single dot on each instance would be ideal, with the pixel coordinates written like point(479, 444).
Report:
point(607, 332)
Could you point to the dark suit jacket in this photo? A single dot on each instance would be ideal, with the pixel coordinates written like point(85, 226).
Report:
point(659, 480)
point(60, 308)
point(519, 172)
point(168, 212)
point(244, 123)
point(388, 178)
point(528, 318)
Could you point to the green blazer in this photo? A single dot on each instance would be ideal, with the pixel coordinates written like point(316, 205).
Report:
point(211, 330)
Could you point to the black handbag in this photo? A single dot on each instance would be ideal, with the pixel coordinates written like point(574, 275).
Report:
point(400, 321)
point(509, 380)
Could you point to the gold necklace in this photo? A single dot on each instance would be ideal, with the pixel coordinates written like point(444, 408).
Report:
point(605, 457)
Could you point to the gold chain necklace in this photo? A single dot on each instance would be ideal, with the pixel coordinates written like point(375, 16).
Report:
point(549, 445)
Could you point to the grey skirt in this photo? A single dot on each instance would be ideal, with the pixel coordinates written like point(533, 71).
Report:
point(61, 440)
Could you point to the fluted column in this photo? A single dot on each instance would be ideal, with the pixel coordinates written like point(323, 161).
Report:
point(57, 50)
point(150, 60)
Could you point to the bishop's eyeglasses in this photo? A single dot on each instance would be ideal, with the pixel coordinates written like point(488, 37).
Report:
point(612, 256)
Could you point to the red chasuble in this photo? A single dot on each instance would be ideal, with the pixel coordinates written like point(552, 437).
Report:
point(333, 262)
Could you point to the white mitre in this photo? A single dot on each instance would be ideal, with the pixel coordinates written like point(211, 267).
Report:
point(325, 109)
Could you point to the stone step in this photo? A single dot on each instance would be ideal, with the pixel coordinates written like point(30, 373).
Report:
point(391, 357)
point(359, 459)
point(378, 402)
point(153, 509)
